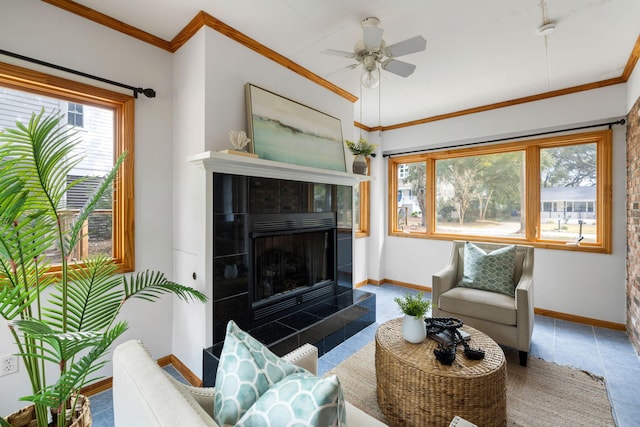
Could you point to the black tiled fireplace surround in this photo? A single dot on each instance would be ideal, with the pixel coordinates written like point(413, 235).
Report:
point(325, 321)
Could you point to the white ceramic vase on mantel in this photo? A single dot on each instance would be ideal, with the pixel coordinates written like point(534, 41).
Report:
point(414, 329)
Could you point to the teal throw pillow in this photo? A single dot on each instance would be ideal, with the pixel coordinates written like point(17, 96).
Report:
point(247, 369)
point(298, 400)
point(489, 271)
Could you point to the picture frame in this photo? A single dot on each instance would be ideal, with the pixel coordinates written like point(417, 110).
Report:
point(287, 131)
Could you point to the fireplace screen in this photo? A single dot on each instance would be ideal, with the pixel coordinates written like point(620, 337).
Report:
point(284, 263)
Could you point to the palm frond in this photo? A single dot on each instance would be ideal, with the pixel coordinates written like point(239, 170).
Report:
point(90, 205)
point(15, 300)
point(151, 285)
point(44, 153)
point(94, 297)
point(77, 373)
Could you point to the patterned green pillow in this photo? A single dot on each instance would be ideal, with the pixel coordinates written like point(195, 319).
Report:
point(489, 272)
point(247, 369)
point(299, 400)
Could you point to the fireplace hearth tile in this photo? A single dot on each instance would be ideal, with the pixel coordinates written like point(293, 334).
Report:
point(326, 325)
point(299, 320)
point(272, 332)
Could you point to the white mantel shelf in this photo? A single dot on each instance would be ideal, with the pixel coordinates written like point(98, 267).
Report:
point(235, 164)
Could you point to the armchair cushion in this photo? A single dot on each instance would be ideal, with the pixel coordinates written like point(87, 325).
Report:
point(489, 271)
point(255, 387)
point(247, 369)
point(481, 304)
point(298, 399)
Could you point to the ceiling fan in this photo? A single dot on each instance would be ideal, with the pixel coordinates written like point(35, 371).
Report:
point(372, 50)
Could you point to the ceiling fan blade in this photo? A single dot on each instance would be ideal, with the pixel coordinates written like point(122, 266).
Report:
point(338, 53)
point(412, 45)
point(401, 68)
point(371, 36)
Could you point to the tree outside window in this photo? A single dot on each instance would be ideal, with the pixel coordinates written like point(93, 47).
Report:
point(548, 192)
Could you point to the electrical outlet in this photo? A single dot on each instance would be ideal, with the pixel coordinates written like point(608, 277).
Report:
point(8, 364)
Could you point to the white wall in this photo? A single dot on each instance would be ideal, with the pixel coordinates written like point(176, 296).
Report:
point(35, 29)
point(218, 68)
point(582, 284)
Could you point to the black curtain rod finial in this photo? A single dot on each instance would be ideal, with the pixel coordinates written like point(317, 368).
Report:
point(149, 93)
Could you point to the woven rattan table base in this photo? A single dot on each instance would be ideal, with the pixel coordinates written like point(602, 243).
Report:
point(414, 389)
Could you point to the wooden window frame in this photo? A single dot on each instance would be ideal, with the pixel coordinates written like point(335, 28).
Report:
point(365, 205)
point(603, 204)
point(27, 80)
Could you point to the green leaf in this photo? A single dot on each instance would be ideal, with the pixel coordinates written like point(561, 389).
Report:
point(150, 285)
point(94, 296)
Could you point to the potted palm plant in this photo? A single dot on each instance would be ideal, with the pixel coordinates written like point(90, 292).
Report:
point(361, 150)
point(415, 308)
point(62, 319)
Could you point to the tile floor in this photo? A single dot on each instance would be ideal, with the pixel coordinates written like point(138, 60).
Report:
point(601, 351)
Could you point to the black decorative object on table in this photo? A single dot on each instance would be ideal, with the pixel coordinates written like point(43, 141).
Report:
point(446, 354)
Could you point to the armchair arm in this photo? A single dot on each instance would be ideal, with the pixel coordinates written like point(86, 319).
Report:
point(441, 282)
point(524, 308)
point(305, 356)
point(205, 396)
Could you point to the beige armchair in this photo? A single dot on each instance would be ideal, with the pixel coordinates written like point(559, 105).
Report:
point(508, 320)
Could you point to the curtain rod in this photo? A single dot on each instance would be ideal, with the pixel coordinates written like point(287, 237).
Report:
point(425, 150)
point(149, 93)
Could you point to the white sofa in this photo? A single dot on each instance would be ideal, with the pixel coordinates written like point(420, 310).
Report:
point(145, 395)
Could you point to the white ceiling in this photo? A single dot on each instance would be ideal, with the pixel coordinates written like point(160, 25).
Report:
point(478, 52)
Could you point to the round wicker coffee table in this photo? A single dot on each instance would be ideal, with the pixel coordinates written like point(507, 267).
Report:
point(414, 389)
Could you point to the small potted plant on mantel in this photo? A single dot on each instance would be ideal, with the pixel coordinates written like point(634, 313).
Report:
point(63, 320)
point(361, 149)
point(415, 308)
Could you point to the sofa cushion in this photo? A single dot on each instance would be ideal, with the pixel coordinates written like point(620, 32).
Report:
point(298, 399)
point(487, 305)
point(489, 271)
point(247, 369)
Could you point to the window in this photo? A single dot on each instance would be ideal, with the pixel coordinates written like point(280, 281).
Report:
point(107, 119)
point(361, 207)
point(548, 192)
point(74, 114)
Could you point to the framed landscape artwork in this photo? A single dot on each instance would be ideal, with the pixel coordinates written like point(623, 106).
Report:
point(287, 131)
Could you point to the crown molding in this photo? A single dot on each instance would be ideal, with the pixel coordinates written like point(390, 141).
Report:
point(204, 19)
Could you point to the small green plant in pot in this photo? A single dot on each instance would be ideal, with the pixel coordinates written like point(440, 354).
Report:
point(414, 304)
point(63, 319)
point(415, 308)
point(361, 150)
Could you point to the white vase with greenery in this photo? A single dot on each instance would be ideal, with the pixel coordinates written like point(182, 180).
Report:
point(415, 308)
point(361, 151)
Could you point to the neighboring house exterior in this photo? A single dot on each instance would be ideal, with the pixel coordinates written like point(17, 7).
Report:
point(568, 203)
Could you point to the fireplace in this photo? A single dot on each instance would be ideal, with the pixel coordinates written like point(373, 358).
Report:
point(293, 261)
point(282, 264)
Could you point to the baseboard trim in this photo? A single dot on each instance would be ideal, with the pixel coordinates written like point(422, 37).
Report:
point(107, 383)
point(580, 319)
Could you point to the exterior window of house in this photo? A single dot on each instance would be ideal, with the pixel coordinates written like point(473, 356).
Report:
point(410, 187)
point(546, 192)
point(75, 115)
point(104, 117)
point(481, 195)
point(570, 172)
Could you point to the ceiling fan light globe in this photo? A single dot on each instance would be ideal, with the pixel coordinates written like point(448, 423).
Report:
point(370, 78)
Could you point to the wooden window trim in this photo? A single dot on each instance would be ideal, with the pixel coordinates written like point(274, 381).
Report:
point(603, 208)
point(27, 80)
point(365, 205)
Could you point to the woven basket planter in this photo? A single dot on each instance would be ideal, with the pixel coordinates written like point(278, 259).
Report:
point(26, 417)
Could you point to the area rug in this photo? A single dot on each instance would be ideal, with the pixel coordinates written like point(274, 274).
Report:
point(542, 394)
